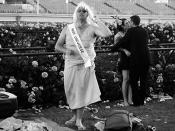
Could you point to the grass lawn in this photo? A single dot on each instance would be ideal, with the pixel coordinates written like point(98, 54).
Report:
point(154, 113)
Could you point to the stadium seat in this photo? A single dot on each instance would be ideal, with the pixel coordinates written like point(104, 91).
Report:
point(157, 8)
point(125, 7)
point(8, 8)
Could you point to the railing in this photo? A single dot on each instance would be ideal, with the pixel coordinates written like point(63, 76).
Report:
point(107, 50)
point(23, 49)
point(42, 51)
point(160, 49)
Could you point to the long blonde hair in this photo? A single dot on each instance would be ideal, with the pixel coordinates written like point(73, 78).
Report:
point(90, 17)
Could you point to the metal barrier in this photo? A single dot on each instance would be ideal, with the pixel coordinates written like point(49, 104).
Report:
point(159, 50)
point(19, 49)
point(55, 53)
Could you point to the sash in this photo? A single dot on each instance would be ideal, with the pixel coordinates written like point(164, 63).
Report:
point(79, 45)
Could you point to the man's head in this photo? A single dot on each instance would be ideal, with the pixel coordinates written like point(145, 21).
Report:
point(135, 20)
point(83, 11)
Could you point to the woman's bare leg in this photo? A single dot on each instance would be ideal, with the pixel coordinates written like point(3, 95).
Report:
point(125, 83)
point(73, 119)
point(130, 95)
point(79, 114)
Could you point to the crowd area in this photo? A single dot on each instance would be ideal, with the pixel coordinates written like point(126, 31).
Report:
point(41, 76)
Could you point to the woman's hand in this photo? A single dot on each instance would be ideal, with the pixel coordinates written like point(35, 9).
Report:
point(95, 19)
point(128, 53)
point(93, 65)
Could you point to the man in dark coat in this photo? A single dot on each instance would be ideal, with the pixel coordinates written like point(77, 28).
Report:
point(136, 42)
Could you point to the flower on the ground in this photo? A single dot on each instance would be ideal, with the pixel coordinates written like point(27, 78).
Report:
point(158, 67)
point(116, 80)
point(11, 50)
point(31, 97)
point(6, 31)
point(61, 73)
point(159, 78)
point(151, 89)
point(12, 79)
point(34, 63)
point(23, 84)
point(54, 68)
point(41, 88)
point(44, 74)
point(35, 89)
point(9, 85)
point(153, 69)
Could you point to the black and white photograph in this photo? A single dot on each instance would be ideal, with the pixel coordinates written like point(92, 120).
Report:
point(87, 65)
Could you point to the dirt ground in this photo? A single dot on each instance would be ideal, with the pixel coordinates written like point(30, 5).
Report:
point(155, 113)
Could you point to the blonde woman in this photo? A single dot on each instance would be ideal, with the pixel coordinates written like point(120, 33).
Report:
point(80, 83)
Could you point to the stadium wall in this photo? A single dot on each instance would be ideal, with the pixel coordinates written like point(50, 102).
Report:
point(22, 17)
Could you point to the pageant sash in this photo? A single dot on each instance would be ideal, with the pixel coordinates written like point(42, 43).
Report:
point(79, 45)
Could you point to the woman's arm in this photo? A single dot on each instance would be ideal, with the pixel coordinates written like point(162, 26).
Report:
point(128, 53)
point(116, 47)
point(59, 46)
point(123, 42)
point(117, 37)
point(101, 29)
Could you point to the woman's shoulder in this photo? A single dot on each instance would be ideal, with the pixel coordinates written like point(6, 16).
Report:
point(92, 26)
point(119, 35)
point(64, 30)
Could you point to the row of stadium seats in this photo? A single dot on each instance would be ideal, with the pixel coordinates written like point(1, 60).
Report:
point(157, 8)
point(6, 8)
point(127, 7)
point(105, 7)
point(57, 6)
point(111, 7)
point(14, 8)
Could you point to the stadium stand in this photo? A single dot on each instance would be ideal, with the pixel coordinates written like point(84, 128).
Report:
point(171, 5)
point(8, 8)
point(57, 6)
point(126, 7)
point(99, 6)
point(15, 1)
point(156, 8)
point(102, 7)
